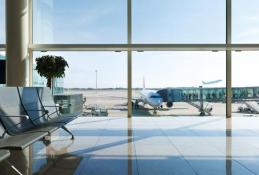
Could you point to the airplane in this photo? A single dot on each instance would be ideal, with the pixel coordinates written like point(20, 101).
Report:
point(211, 82)
point(150, 97)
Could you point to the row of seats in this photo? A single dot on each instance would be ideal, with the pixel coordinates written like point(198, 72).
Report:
point(28, 114)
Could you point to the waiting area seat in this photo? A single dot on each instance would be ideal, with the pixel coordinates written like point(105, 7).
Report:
point(27, 115)
point(19, 141)
point(24, 119)
point(39, 105)
point(30, 109)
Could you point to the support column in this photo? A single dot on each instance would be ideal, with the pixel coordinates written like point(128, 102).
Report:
point(228, 60)
point(129, 60)
point(17, 41)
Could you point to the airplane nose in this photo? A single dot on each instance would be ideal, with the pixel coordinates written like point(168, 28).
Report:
point(157, 102)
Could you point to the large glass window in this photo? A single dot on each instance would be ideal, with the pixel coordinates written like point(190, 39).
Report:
point(153, 22)
point(245, 20)
point(245, 83)
point(179, 21)
point(177, 77)
point(101, 77)
point(2, 68)
point(2, 21)
point(79, 21)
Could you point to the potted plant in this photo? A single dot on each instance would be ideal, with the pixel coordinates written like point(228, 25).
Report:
point(50, 66)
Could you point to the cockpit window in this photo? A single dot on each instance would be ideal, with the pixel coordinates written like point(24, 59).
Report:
point(155, 96)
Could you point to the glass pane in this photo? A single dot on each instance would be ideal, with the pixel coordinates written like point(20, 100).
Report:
point(181, 79)
point(2, 68)
point(79, 21)
point(245, 21)
point(2, 55)
point(2, 21)
point(100, 76)
point(245, 83)
point(179, 21)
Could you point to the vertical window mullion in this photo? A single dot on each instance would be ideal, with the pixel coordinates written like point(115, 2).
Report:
point(228, 59)
point(129, 62)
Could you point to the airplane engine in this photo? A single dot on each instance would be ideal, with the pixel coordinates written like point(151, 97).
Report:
point(169, 104)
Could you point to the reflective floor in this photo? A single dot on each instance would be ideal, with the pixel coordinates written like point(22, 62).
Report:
point(146, 146)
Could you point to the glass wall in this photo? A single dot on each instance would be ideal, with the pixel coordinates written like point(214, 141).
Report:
point(2, 68)
point(79, 21)
point(245, 83)
point(2, 41)
point(187, 82)
point(154, 22)
point(101, 78)
point(2, 21)
point(179, 21)
point(245, 18)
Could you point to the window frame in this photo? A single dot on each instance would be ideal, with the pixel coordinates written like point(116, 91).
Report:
point(228, 46)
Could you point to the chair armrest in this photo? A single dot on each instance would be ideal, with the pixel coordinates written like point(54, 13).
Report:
point(23, 116)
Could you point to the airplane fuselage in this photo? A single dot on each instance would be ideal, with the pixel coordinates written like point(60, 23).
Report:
point(151, 98)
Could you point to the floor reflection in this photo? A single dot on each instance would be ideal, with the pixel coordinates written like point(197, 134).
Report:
point(229, 146)
point(130, 142)
point(140, 146)
point(59, 160)
point(42, 158)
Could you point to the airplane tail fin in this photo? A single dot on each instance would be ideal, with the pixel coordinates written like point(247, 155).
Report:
point(144, 83)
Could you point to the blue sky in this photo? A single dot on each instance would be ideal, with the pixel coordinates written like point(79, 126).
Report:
point(154, 21)
point(2, 22)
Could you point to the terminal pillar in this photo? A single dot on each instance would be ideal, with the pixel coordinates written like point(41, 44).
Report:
point(17, 42)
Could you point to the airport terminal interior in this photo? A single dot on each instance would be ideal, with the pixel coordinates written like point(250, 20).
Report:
point(129, 87)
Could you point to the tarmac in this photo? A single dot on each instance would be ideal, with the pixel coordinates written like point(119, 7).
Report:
point(115, 103)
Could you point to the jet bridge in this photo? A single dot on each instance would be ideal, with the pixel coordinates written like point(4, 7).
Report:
point(170, 95)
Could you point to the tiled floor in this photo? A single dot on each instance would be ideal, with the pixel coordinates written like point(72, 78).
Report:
point(149, 146)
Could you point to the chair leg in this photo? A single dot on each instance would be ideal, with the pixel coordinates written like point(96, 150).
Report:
point(72, 138)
